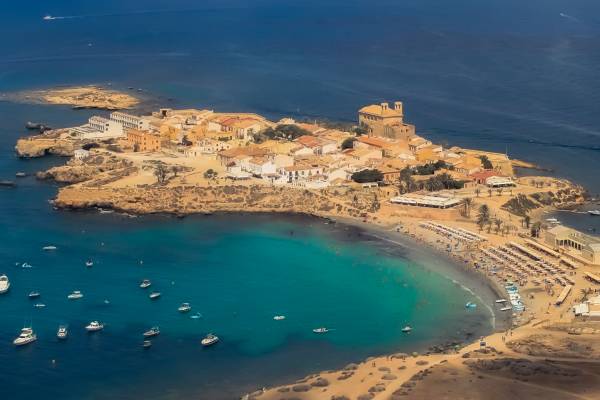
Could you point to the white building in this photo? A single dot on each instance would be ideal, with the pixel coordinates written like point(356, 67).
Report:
point(98, 128)
point(80, 154)
point(128, 121)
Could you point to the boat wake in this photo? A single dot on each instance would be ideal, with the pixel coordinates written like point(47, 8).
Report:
point(569, 17)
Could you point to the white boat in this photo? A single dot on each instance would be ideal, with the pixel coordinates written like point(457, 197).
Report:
point(48, 17)
point(4, 284)
point(145, 283)
point(39, 305)
point(89, 263)
point(62, 332)
point(27, 336)
point(196, 316)
point(506, 308)
point(34, 295)
point(154, 295)
point(75, 295)
point(209, 340)
point(406, 329)
point(184, 307)
point(147, 344)
point(470, 305)
point(94, 326)
point(26, 265)
point(594, 213)
point(49, 248)
point(320, 330)
point(499, 301)
point(154, 331)
point(279, 317)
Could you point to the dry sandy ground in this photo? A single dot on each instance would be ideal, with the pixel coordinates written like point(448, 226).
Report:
point(496, 371)
point(78, 97)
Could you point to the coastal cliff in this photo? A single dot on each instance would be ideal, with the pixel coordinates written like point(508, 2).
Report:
point(46, 143)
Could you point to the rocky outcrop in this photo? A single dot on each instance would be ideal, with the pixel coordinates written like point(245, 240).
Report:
point(47, 143)
point(92, 169)
point(196, 199)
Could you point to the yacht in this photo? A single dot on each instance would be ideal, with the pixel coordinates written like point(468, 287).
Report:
point(154, 295)
point(89, 263)
point(94, 326)
point(279, 317)
point(27, 336)
point(184, 307)
point(49, 248)
point(209, 340)
point(154, 331)
point(34, 295)
point(320, 330)
point(4, 284)
point(145, 283)
point(406, 329)
point(594, 213)
point(75, 295)
point(147, 344)
point(62, 332)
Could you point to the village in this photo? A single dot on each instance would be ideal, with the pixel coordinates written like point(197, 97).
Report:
point(378, 174)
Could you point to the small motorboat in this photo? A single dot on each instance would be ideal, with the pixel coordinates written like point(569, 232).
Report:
point(594, 213)
point(39, 305)
point(145, 283)
point(75, 295)
point(94, 326)
point(7, 183)
point(21, 174)
point(209, 340)
point(34, 295)
point(506, 308)
point(196, 316)
point(25, 337)
point(184, 307)
point(470, 305)
point(500, 301)
point(154, 331)
point(320, 330)
point(279, 317)
point(146, 344)
point(62, 332)
point(89, 263)
point(49, 248)
point(4, 284)
point(406, 329)
point(154, 295)
point(26, 265)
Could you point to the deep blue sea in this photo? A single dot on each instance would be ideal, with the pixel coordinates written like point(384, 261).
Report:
point(511, 75)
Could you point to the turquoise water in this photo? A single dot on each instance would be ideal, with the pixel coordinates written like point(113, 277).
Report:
point(238, 272)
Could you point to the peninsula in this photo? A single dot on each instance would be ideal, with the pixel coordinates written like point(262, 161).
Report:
point(382, 175)
point(92, 96)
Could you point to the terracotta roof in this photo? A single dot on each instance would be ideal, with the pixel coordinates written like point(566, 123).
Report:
point(373, 141)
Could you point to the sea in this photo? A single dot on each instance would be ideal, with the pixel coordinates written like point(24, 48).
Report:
point(510, 76)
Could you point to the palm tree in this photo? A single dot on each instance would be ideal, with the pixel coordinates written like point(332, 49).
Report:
point(498, 222)
point(467, 202)
point(483, 216)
